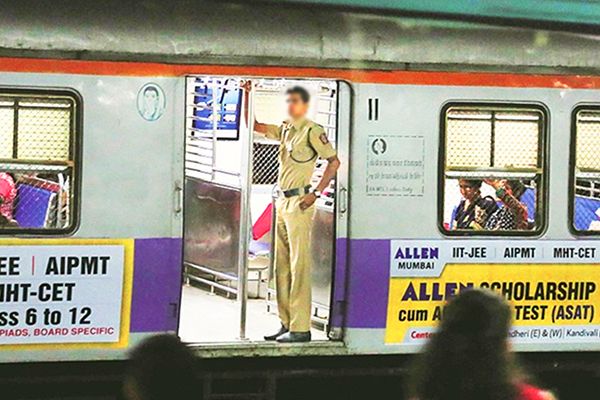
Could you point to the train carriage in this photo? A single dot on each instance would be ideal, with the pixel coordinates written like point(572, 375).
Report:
point(137, 200)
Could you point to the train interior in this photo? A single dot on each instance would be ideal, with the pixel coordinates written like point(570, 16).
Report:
point(230, 181)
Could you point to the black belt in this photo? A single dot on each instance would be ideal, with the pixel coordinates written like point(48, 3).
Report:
point(296, 192)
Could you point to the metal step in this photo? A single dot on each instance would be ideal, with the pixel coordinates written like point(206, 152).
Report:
point(249, 387)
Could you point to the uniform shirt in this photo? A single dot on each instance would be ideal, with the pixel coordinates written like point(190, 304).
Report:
point(301, 143)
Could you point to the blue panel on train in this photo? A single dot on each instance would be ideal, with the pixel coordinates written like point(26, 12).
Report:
point(585, 212)
point(226, 101)
point(32, 206)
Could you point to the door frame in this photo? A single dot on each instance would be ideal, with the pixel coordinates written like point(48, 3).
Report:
point(340, 273)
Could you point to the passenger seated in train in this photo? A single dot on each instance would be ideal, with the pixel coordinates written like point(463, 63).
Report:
point(512, 208)
point(512, 214)
point(474, 209)
point(8, 193)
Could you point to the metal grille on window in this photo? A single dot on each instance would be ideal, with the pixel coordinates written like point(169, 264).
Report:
point(586, 210)
point(265, 164)
point(493, 146)
point(36, 161)
point(505, 141)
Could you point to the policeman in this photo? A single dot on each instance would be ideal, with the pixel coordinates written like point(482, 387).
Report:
point(302, 141)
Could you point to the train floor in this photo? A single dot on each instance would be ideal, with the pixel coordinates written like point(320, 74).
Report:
point(212, 318)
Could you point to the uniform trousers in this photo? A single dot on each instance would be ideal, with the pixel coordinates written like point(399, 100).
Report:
point(293, 263)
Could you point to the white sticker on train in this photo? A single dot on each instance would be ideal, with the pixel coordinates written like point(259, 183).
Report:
point(61, 294)
point(395, 166)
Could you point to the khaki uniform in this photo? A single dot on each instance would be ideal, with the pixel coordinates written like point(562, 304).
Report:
point(302, 142)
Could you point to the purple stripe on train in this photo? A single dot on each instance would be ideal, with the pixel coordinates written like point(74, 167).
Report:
point(364, 284)
point(368, 283)
point(339, 285)
point(156, 285)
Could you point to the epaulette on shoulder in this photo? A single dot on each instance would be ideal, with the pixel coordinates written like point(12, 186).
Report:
point(315, 125)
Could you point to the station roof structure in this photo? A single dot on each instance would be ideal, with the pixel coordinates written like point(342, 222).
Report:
point(560, 13)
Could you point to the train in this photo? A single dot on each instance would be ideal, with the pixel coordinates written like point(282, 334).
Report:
point(137, 201)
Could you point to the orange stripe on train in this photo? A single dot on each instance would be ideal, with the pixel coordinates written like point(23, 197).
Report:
point(128, 68)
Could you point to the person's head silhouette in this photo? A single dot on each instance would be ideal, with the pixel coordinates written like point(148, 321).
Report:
point(161, 368)
point(468, 358)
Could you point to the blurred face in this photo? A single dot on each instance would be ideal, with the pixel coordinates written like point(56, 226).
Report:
point(296, 107)
point(467, 190)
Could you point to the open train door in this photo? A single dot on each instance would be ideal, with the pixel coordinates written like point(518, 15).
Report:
point(231, 178)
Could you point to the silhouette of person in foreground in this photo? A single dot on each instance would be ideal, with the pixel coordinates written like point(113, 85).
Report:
point(469, 357)
point(161, 368)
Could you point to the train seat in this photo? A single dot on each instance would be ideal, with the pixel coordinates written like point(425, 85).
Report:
point(33, 206)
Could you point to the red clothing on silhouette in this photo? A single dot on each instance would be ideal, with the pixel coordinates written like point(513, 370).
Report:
point(528, 392)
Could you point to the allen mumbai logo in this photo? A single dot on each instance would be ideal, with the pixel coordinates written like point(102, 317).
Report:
point(417, 257)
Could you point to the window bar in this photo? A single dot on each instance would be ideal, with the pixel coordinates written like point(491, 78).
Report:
point(245, 222)
point(492, 139)
point(16, 129)
point(214, 128)
point(71, 151)
point(541, 142)
point(59, 201)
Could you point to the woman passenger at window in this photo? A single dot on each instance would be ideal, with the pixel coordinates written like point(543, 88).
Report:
point(513, 214)
point(8, 193)
point(473, 210)
point(468, 358)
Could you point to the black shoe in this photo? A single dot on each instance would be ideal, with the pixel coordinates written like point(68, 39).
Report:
point(294, 337)
point(281, 331)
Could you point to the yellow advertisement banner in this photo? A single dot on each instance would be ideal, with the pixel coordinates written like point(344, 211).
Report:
point(551, 303)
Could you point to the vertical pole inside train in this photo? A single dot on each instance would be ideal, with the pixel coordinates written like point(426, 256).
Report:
point(245, 189)
point(215, 127)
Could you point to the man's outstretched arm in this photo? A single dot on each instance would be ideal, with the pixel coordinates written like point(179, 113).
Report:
point(259, 127)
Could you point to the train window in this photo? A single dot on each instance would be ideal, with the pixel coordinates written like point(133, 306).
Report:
point(38, 161)
point(492, 170)
point(585, 203)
